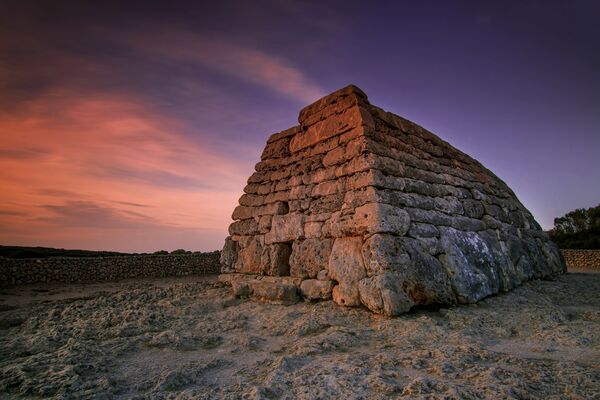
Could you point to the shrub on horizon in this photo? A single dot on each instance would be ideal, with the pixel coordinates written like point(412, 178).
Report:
point(181, 251)
point(578, 229)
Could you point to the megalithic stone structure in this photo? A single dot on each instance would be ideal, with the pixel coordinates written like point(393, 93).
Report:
point(364, 206)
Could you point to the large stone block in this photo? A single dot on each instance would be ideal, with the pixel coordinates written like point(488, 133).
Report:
point(326, 204)
point(335, 125)
point(249, 257)
point(277, 149)
point(346, 294)
point(309, 257)
point(244, 212)
point(314, 289)
point(228, 255)
point(470, 260)
point(376, 178)
point(244, 227)
point(280, 292)
point(251, 200)
point(313, 230)
point(420, 230)
point(383, 253)
point(420, 275)
point(383, 294)
point(334, 103)
point(381, 218)
point(285, 228)
point(347, 268)
point(327, 188)
point(377, 211)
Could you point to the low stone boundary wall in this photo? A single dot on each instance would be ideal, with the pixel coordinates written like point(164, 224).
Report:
point(589, 259)
point(99, 269)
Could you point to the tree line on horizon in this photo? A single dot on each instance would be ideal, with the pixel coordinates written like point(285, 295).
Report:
point(578, 229)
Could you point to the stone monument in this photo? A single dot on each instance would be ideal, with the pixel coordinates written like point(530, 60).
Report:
point(367, 208)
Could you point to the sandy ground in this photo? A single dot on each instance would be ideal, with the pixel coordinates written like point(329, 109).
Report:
point(187, 338)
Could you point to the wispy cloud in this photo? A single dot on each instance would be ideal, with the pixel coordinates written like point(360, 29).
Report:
point(12, 213)
point(22, 154)
point(86, 214)
point(129, 203)
point(157, 178)
point(231, 58)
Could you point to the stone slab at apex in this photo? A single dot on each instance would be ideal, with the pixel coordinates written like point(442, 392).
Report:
point(367, 208)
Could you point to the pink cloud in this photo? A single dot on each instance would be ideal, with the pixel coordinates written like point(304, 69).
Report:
point(102, 170)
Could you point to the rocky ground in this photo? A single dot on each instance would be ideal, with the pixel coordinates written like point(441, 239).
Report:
point(187, 338)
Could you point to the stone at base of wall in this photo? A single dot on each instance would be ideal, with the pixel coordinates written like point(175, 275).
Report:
point(582, 259)
point(279, 290)
point(102, 269)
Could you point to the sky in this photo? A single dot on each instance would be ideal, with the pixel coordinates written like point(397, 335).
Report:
point(133, 126)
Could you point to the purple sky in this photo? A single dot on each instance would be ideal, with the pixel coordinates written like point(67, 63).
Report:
point(133, 126)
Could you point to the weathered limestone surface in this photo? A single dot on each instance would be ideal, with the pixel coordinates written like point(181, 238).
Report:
point(368, 208)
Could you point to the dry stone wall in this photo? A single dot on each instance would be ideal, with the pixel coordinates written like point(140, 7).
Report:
point(582, 259)
point(368, 208)
point(98, 269)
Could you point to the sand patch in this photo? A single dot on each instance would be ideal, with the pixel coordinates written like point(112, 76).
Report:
point(188, 338)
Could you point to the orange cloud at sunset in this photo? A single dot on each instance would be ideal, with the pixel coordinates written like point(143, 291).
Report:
point(104, 172)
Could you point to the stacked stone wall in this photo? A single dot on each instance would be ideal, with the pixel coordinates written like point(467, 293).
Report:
point(369, 208)
point(582, 259)
point(98, 269)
